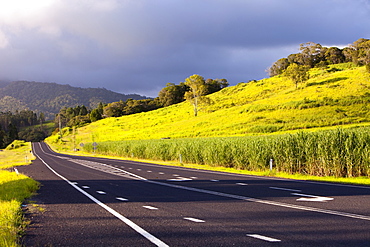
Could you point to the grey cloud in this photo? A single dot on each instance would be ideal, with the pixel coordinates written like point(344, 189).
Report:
point(139, 46)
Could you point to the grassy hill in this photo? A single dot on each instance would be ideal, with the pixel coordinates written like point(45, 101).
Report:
point(254, 122)
point(267, 106)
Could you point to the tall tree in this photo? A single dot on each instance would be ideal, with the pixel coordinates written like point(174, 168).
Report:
point(13, 132)
point(95, 115)
point(2, 137)
point(41, 118)
point(172, 94)
point(334, 55)
point(361, 51)
point(215, 85)
point(197, 87)
point(278, 67)
point(298, 73)
point(114, 109)
point(312, 53)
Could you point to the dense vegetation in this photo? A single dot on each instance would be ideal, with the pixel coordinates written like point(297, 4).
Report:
point(49, 98)
point(171, 94)
point(24, 125)
point(315, 55)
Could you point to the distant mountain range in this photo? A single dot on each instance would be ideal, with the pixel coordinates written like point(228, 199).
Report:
point(49, 98)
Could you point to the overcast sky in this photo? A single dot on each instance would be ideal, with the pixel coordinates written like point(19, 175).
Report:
point(137, 46)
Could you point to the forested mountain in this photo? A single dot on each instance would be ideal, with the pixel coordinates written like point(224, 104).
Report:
point(49, 98)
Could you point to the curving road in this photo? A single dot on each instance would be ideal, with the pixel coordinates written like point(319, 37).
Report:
point(105, 202)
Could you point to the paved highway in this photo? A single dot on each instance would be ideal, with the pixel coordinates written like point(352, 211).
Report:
point(105, 202)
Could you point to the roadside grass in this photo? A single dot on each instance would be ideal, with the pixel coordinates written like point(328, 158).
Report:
point(14, 189)
point(16, 155)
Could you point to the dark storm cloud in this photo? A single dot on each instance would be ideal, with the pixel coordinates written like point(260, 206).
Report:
point(137, 46)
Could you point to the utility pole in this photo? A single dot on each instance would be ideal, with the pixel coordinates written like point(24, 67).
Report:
point(60, 127)
point(74, 139)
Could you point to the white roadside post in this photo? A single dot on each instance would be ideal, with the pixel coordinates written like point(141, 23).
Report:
point(271, 162)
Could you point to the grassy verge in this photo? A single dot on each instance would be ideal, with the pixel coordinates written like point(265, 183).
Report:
point(14, 189)
point(16, 154)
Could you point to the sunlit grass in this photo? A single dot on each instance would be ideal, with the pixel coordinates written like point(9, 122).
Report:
point(21, 155)
point(14, 189)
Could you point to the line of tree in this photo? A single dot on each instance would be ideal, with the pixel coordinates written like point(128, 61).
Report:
point(173, 94)
point(12, 127)
point(169, 95)
point(315, 55)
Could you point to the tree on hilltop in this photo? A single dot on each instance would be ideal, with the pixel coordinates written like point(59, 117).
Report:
point(197, 91)
point(312, 53)
point(172, 94)
point(215, 85)
point(278, 67)
point(298, 73)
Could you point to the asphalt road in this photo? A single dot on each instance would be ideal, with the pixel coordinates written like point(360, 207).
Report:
point(105, 202)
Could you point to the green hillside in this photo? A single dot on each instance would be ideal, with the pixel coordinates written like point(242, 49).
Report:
point(254, 122)
point(270, 105)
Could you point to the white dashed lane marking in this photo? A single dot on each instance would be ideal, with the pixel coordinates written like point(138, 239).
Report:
point(101, 192)
point(241, 184)
point(121, 199)
point(150, 207)
point(85, 187)
point(194, 219)
point(263, 238)
point(278, 188)
point(179, 179)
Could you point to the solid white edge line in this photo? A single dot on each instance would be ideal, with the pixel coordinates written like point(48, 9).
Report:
point(263, 238)
point(128, 222)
